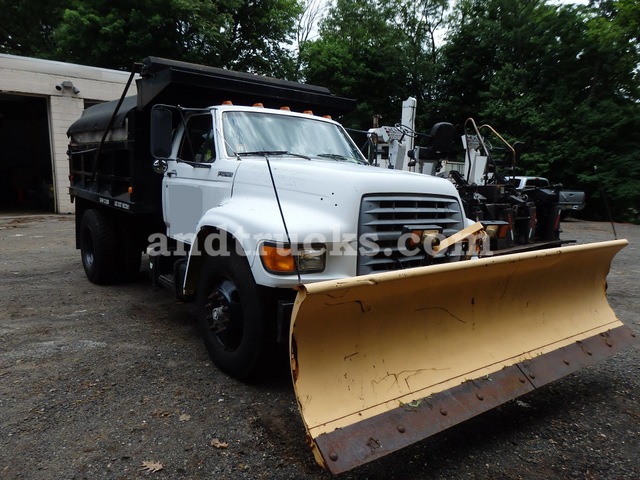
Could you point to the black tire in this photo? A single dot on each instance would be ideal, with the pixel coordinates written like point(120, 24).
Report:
point(231, 314)
point(98, 246)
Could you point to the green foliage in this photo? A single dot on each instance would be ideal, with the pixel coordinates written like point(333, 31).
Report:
point(115, 34)
point(257, 37)
point(27, 26)
point(238, 34)
point(377, 51)
point(564, 80)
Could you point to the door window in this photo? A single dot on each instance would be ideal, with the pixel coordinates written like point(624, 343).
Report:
point(197, 144)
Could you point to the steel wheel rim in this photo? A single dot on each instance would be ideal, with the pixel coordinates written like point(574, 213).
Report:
point(87, 248)
point(224, 316)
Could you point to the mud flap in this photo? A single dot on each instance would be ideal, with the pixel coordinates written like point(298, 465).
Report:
point(382, 361)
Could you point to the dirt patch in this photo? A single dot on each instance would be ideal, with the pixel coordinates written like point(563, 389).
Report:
point(94, 381)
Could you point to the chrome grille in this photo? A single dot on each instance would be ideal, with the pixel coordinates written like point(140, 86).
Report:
point(382, 219)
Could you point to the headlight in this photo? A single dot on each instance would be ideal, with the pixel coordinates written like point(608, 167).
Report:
point(281, 259)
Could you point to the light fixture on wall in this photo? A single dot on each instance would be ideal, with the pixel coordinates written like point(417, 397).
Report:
point(67, 85)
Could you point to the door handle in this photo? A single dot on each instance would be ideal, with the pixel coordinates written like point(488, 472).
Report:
point(172, 173)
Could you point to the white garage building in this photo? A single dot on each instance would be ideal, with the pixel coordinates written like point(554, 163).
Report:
point(39, 100)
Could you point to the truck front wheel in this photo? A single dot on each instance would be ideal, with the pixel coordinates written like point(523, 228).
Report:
point(98, 246)
point(231, 316)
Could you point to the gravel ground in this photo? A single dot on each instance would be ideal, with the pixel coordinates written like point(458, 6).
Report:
point(99, 382)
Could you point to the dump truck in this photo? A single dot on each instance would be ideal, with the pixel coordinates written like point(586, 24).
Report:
point(254, 204)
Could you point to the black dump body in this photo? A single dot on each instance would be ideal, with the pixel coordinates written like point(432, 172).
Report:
point(117, 172)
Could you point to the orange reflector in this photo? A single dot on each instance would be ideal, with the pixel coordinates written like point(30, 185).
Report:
point(308, 112)
point(258, 104)
point(327, 116)
point(227, 102)
point(285, 108)
point(130, 190)
point(277, 259)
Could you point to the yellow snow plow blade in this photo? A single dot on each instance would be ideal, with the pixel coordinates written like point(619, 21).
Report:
point(382, 361)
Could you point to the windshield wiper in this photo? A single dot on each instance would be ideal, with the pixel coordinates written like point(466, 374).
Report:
point(271, 153)
point(336, 156)
point(262, 152)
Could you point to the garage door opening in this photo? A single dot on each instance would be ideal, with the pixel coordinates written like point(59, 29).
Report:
point(26, 177)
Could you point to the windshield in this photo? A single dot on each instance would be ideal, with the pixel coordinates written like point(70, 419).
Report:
point(267, 133)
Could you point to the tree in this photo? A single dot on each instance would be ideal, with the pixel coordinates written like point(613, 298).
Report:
point(422, 23)
point(238, 34)
point(374, 51)
point(27, 27)
point(611, 110)
point(306, 26)
point(115, 34)
point(564, 79)
point(258, 36)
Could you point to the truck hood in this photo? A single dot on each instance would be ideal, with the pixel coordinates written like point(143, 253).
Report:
point(332, 181)
point(318, 193)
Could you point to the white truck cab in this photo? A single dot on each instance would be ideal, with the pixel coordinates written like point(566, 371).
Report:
point(270, 177)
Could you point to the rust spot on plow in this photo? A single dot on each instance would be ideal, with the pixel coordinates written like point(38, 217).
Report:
point(373, 444)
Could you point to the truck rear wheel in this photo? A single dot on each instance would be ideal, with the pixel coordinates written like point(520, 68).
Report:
point(98, 246)
point(231, 316)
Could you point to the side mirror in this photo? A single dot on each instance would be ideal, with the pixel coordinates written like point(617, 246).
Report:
point(161, 132)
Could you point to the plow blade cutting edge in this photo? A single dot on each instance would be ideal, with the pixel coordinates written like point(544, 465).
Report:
point(382, 361)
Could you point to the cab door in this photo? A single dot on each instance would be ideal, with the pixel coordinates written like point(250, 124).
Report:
point(197, 177)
